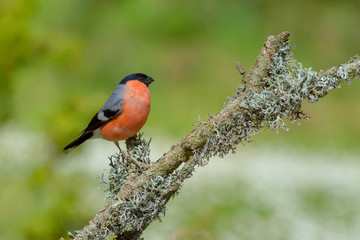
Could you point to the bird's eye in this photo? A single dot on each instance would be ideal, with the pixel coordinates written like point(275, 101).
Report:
point(141, 79)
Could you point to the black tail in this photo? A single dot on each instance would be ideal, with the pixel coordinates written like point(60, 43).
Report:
point(85, 136)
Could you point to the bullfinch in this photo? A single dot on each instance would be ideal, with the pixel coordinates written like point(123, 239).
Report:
point(123, 114)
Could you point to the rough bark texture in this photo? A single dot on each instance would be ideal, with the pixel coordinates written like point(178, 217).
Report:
point(273, 89)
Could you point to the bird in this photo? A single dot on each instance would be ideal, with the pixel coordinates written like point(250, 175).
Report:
point(123, 114)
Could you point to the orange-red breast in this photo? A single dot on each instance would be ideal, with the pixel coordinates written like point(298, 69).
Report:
point(123, 114)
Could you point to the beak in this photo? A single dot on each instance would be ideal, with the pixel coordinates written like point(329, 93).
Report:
point(149, 80)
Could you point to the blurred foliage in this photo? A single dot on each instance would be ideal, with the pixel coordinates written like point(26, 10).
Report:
point(14, 47)
point(61, 59)
point(256, 202)
point(40, 199)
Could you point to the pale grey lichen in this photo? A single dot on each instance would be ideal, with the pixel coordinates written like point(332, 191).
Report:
point(140, 209)
point(280, 96)
point(141, 151)
point(124, 166)
point(118, 174)
point(131, 214)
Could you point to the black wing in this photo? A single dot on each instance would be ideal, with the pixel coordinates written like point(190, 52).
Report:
point(95, 122)
point(111, 109)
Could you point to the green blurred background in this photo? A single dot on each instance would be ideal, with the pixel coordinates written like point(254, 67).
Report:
point(61, 59)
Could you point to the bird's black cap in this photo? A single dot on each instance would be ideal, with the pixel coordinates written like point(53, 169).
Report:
point(138, 76)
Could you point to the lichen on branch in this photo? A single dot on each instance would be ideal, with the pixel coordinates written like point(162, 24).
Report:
point(272, 90)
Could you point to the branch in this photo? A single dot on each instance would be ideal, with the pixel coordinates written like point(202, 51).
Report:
point(271, 91)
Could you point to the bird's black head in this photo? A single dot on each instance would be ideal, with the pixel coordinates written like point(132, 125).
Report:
point(138, 76)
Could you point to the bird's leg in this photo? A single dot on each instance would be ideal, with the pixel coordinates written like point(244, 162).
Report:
point(117, 144)
point(121, 152)
point(129, 160)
